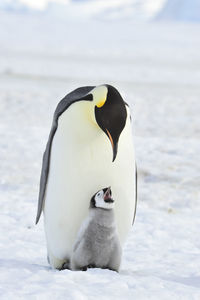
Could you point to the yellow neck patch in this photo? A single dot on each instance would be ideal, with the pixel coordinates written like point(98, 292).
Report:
point(99, 95)
point(101, 102)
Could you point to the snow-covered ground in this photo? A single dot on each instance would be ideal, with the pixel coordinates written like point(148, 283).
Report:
point(156, 66)
point(180, 10)
point(112, 9)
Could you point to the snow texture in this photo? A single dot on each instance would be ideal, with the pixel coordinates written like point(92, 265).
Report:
point(137, 10)
point(180, 10)
point(101, 9)
point(156, 68)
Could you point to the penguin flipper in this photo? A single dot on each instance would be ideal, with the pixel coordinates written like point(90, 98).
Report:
point(76, 95)
point(136, 184)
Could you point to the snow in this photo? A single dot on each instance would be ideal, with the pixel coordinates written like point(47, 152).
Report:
point(156, 68)
point(137, 10)
point(112, 9)
point(180, 10)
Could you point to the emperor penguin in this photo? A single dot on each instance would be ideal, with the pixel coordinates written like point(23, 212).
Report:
point(90, 145)
point(97, 244)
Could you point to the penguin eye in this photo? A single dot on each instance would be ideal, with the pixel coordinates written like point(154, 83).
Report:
point(98, 194)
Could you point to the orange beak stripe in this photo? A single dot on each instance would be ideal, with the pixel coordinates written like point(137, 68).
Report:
point(110, 138)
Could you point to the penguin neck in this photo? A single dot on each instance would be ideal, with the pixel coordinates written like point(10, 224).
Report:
point(103, 217)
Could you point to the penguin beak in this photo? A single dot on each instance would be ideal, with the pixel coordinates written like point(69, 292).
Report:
point(113, 144)
point(111, 117)
point(107, 195)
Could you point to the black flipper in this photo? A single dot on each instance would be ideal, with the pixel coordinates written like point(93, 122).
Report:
point(76, 95)
point(136, 183)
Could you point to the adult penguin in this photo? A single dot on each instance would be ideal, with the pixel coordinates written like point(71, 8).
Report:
point(90, 146)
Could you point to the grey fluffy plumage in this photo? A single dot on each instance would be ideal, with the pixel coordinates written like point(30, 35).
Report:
point(97, 244)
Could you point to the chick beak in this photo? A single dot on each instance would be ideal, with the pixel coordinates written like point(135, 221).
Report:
point(107, 195)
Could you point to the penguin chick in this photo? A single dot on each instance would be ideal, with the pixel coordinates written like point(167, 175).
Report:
point(97, 244)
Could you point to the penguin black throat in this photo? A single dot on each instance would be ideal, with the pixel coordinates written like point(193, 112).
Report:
point(111, 117)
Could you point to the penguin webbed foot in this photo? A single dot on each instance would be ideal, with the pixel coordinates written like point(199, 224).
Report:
point(90, 266)
point(65, 266)
point(109, 268)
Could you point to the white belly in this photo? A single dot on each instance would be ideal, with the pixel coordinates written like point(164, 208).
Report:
point(80, 165)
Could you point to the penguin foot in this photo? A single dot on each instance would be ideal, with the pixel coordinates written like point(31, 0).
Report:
point(91, 266)
point(109, 268)
point(88, 267)
point(65, 266)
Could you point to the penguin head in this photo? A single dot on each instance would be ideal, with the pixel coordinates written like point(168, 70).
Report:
point(102, 199)
point(109, 113)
